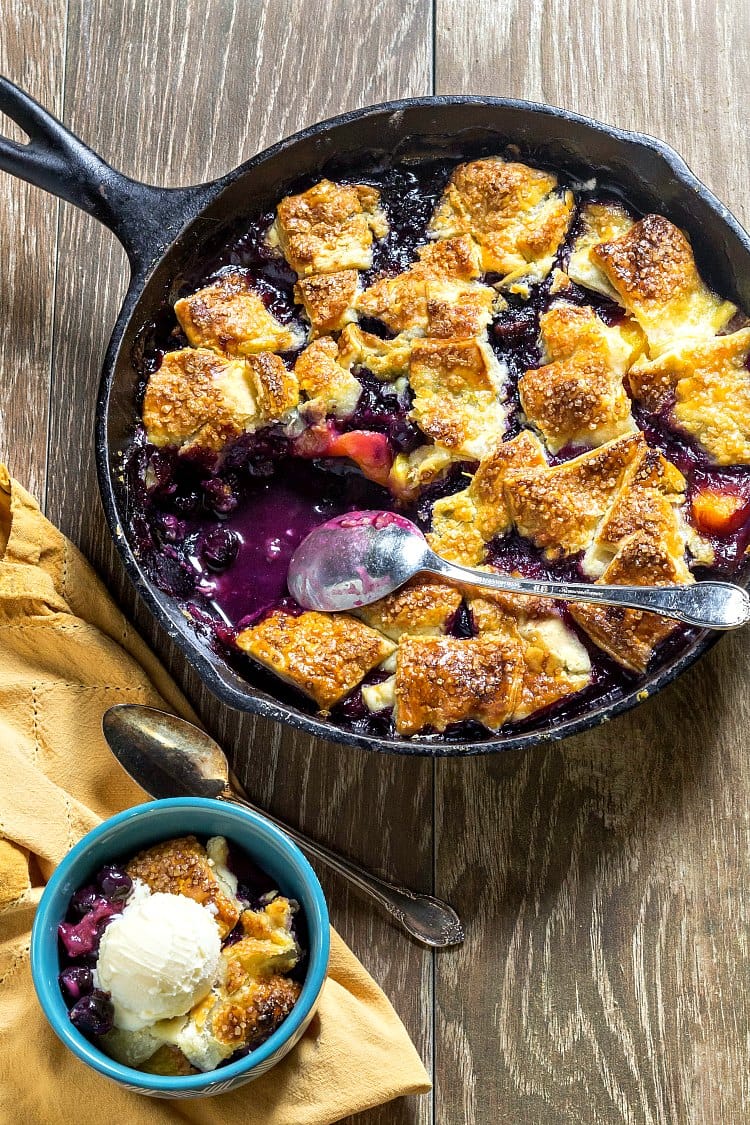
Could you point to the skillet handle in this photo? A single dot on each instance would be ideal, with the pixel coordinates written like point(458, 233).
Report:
point(144, 218)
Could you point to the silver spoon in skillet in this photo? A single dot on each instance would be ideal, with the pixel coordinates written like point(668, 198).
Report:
point(356, 558)
point(169, 757)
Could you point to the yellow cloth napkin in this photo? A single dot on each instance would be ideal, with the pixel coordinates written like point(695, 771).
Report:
point(66, 654)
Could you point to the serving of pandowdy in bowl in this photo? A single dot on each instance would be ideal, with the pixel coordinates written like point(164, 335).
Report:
point(181, 947)
point(520, 329)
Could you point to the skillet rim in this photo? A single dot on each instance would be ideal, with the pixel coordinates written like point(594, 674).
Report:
point(249, 699)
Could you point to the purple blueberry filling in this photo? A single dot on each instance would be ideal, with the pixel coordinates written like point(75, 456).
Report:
point(84, 936)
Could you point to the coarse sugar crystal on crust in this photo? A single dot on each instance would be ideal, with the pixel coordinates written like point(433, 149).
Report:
point(323, 655)
point(459, 395)
point(328, 300)
point(437, 296)
point(229, 317)
point(652, 269)
point(329, 228)
point(198, 399)
point(650, 502)
point(597, 222)
point(329, 388)
point(423, 607)
point(514, 213)
point(707, 385)
point(444, 680)
point(555, 663)
point(559, 508)
point(630, 636)
point(181, 867)
point(464, 523)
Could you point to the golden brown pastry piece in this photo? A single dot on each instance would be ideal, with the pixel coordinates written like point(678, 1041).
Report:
point(560, 508)
point(437, 296)
point(443, 680)
point(513, 212)
point(229, 317)
point(577, 401)
point(555, 663)
point(566, 330)
point(598, 222)
point(464, 523)
point(415, 471)
point(199, 399)
point(630, 636)
point(424, 607)
point(652, 269)
point(323, 655)
point(181, 867)
point(459, 392)
point(253, 996)
point(649, 501)
point(329, 300)
point(329, 228)
point(385, 359)
point(329, 387)
point(579, 397)
point(708, 384)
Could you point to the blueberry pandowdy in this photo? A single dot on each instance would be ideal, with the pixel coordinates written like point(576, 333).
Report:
point(532, 371)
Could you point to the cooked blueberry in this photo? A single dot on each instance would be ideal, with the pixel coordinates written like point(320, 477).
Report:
point(220, 497)
point(172, 528)
point(93, 1014)
point(76, 981)
point(219, 548)
point(114, 882)
point(160, 474)
point(186, 502)
point(85, 899)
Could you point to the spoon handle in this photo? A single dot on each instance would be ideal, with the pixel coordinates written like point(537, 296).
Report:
point(430, 921)
point(710, 605)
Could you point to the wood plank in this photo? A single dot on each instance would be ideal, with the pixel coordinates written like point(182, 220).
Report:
point(604, 881)
point(32, 54)
point(198, 89)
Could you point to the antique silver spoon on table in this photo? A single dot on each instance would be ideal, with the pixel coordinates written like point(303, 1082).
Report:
point(354, 559)
point(169, 757)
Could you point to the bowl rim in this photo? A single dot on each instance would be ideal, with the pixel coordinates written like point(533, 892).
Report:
point(48, 994)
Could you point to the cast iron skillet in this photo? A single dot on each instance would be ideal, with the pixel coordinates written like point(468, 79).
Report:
point(166, 231)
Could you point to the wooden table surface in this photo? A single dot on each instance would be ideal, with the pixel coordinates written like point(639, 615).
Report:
point(604, 881)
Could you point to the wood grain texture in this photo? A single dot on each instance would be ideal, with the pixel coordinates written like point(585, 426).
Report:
point(32, 53)
point(173, 93)
point(605, 881)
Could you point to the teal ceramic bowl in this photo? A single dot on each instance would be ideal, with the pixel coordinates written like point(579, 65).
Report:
point(121, 837)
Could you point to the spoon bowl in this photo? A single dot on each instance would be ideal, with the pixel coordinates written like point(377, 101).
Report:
point(355, 559)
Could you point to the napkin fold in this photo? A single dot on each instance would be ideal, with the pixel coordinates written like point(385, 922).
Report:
point(66, 654)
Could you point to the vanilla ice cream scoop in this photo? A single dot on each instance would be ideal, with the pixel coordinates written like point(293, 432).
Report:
point(158, 958)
